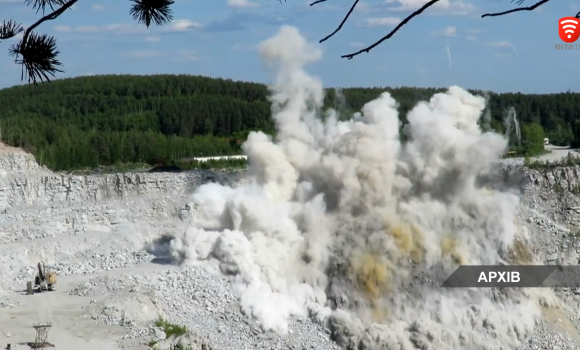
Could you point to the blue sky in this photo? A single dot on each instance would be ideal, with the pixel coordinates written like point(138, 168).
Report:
point(219, 38)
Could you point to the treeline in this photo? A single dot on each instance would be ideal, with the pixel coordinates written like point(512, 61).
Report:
point(103, 120)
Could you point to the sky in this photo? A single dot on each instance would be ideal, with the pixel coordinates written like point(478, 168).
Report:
point(449, 44)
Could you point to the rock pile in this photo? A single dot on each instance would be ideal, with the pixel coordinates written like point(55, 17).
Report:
point(196, 297)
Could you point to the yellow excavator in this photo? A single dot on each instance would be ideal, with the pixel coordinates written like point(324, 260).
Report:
point(44, 281)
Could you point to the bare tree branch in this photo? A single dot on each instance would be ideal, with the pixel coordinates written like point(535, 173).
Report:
point(39, 53)
point(529, 8)
point(341, 23)
point(388, 36)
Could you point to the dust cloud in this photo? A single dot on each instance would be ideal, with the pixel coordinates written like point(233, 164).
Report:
point(343, 222)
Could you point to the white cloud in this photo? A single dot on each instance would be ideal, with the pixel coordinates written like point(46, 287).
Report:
point(181, 25)
point(144, 54)
point(152, 39)
point(448, 32)
point(503, 44)
point(475, 31)
point(500, 44)
point(470, 38)
point(444, 6)
point(503, 55)
point(242, 3)
point(384, 21)
point(237, 46)
point(98, 7)
point(178, 56)
point(188, 55)
point(111, 28)
point(64, 29)
point(363, 7)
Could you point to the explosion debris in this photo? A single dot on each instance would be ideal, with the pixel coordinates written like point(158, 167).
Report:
point(344, 222)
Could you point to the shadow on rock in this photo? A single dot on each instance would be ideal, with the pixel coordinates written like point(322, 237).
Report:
point(164, 254)
point(505, 178)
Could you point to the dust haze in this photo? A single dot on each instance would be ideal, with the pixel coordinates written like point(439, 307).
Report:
point(342, 222)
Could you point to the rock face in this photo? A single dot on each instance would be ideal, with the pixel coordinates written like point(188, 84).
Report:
point(39, 187)
point(551, 211)
point(567, 178)
point(60, 218)
point(13, 161)
point(553, 202)
point(81, 227)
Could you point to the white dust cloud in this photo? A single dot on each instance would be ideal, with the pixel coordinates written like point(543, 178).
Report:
point(343, 222)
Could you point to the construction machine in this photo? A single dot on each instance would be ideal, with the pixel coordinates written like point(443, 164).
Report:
point(44, 281)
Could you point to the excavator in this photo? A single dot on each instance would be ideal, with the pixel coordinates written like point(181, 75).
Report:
point(44, 281)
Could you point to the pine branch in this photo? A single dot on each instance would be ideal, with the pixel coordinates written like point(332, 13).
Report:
point(147, 11)
point(10, 29)
point(39, 57)
point(38, 52)
point(341, 23)
point(399, 26)
point(48, 17)
point(39, 5)
point(518, 9)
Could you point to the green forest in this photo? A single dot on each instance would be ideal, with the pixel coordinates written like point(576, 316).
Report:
point(87, 122)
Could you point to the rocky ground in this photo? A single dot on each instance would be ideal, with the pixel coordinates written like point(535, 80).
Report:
point(550, 210)
point(92, 231)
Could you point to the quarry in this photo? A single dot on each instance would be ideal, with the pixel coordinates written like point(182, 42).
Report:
point(108, 238)
point(337, 236)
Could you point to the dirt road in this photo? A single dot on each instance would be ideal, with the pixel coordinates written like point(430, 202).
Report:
point(556, 153)
point(71, 328)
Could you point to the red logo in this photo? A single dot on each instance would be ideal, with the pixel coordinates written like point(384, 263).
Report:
point(569, 29)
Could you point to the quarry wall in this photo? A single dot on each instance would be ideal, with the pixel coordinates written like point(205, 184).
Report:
point(36, 203)
point(68, 219)
point(26, 184)
point(567, 177)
